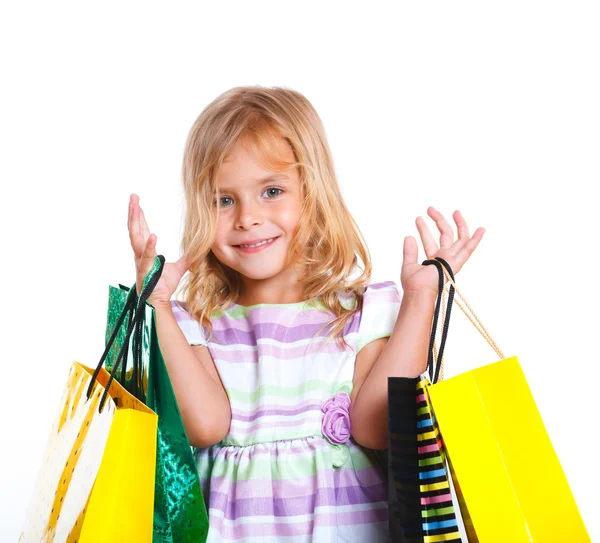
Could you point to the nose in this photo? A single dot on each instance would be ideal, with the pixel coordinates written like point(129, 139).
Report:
point(249, 215)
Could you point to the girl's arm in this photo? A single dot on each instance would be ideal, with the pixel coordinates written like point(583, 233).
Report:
point(404, 354)
point(202, 400)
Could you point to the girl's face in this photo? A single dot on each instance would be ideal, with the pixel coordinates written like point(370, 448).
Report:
point(257, 204)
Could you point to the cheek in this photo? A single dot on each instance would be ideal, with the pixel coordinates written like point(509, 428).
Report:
point(221, 232)
point(290, 218)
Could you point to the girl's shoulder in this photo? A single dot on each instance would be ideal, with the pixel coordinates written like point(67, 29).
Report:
point(381, 304)
point(194, 332)
point(375, 293)
point(383, 288)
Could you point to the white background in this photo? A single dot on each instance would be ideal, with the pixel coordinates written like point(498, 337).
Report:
point(490, 108)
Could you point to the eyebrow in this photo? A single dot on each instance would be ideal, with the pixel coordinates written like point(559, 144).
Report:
point(262, 181)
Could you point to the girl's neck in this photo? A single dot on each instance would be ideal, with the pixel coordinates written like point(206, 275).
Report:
point(283, 289)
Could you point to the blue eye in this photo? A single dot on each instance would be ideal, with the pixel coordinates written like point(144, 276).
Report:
point(275, 188)
point(215, 202)
point(266, 190)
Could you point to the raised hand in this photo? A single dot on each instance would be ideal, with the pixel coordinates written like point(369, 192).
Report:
point(143, 244)
point(418, 278)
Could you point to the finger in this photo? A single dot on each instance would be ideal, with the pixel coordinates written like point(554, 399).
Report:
point(461, 224)
point(138, 243)
point(133, 199)
point(446, 232)
point(130, 227)
point(142, 230)
point(130, 212)
point(144, 225)
point(410, 251)
point(149, 254)
point(464, 254)
point(463, 232)
point(429, 244)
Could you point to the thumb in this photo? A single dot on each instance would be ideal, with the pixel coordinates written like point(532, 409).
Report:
point(183, 264)
point(411, 251)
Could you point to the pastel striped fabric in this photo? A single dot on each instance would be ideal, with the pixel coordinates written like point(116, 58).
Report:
point(275, 476)
point(421, 499)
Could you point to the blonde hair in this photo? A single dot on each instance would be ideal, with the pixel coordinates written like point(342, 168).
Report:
point(328, 241)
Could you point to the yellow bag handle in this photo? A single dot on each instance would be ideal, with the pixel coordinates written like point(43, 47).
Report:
point(479, 326)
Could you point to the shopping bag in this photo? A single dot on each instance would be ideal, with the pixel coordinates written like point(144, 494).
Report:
point(420, 499)
point(96, 482)
point(179, 509)
point(509, 480)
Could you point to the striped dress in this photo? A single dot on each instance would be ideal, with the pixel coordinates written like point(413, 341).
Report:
point(277, 476)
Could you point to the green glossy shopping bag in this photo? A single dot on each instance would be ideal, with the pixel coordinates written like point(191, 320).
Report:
point(179, 509)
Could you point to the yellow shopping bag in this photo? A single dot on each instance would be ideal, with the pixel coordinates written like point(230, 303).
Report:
point(97, 479)
point(510, 482)
point(96, 482)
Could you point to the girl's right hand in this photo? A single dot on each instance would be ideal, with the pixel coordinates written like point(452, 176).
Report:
point(143, 244)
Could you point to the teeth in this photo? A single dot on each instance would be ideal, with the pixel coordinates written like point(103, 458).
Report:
point(258, 244)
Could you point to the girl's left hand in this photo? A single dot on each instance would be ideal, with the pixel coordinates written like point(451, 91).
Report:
point(418, 278)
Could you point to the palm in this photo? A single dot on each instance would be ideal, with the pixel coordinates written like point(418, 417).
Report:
point(419, 278)
point(143, 244)
point(167, 283)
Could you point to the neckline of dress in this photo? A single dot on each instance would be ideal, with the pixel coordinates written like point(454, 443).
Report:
point(315, 301)
point(289, 304)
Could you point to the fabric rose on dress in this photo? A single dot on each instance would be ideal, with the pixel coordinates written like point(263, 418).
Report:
point(336, 419)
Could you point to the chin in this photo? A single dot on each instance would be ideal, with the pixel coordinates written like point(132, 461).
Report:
point(258, 274)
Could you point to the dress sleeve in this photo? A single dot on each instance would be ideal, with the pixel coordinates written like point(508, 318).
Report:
point(381, 303)
point(191, 328)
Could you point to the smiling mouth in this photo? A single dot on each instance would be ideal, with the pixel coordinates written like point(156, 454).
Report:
point(258, 248)
point(260, 245)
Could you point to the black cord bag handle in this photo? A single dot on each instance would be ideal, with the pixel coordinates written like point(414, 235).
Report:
point(434, 367)
point(140, 304)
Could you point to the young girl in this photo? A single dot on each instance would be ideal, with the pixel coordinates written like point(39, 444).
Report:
point(281, 417)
